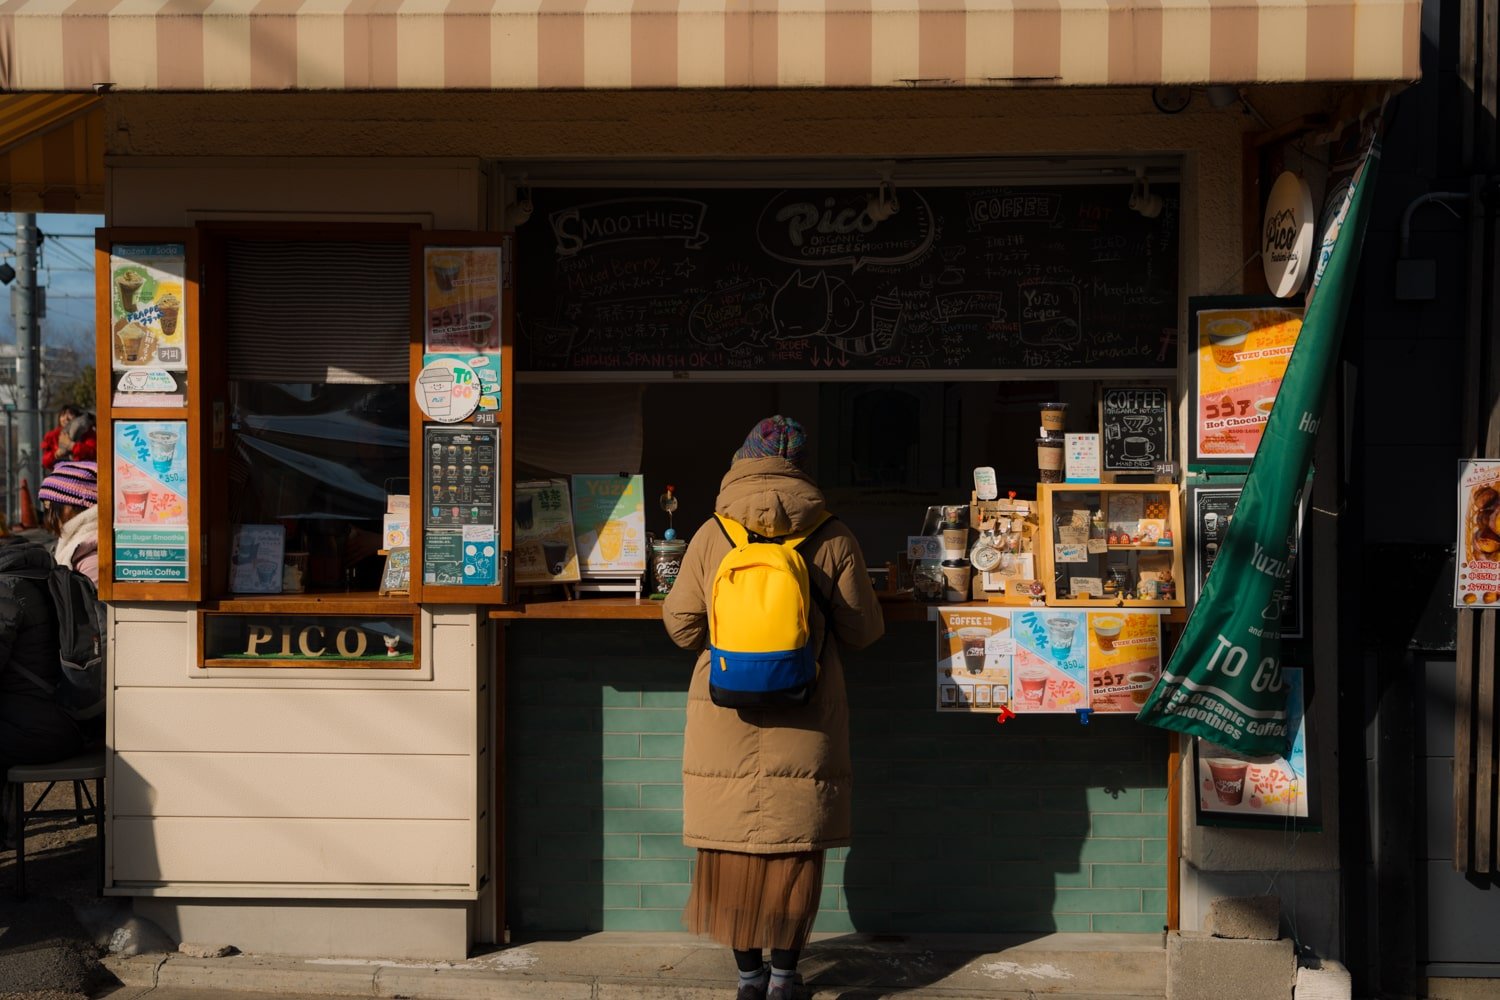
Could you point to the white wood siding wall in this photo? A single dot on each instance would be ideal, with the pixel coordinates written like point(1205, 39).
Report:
point(295, 786)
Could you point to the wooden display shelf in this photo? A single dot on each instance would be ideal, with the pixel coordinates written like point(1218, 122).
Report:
point(1047, 566)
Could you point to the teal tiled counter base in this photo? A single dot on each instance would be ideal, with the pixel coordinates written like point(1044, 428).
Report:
point(960, 825)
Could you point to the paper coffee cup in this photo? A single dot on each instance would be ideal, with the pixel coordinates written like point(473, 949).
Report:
point(1141, 685)
point(1228, 776)
point(956, 580)
point(955, 541)
point(1226, 338)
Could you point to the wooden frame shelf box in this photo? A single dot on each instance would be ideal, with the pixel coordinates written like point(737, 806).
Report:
point(188, 322)
point(500, 592)
point(1050, 497)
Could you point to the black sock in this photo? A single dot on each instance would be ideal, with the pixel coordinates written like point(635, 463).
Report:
point(749, 961)
point(785, 959)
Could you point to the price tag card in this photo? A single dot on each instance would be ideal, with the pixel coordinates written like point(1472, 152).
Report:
point(1081, 458)
point(1098, 546)
point(1000, 645)
point(1070, 553)
point(1087, 586)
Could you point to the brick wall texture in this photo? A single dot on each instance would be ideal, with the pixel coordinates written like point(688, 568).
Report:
point(960, 825)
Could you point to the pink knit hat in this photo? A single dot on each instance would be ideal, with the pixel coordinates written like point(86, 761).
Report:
point(72, 483)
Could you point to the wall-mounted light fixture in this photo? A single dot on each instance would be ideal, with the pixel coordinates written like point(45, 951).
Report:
point(519, 211)
point(883, 203)
point(1142, 201)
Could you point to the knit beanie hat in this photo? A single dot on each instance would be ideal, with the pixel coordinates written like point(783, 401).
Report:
point(72, 483)
point(777, 436)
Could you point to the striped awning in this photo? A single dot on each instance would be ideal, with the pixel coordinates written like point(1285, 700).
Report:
point(51, 153)
point(530, 44)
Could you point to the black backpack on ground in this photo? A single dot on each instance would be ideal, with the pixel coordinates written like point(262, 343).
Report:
point(80, 640)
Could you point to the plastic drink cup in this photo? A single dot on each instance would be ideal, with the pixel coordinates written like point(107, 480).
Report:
point(134, 495)
point(1054, 417)
point(1226, 338)
point(128, 284)
point(1229, 779)
point(972, 639)
point(1107, 630)
point(163, 445)
point(1060, 633)
point(555, 555)
point(1049, 460)
point(1033, 684)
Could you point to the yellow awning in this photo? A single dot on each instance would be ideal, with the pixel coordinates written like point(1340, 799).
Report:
point(529, 44)
point(51, 153)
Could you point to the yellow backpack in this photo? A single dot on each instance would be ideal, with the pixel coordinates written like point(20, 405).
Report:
point(759, 621)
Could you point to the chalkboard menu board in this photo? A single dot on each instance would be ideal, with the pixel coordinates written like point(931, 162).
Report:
point(805, 279)
point(1134, 428)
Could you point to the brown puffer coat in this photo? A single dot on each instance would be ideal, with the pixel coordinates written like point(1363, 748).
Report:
point(771, 781)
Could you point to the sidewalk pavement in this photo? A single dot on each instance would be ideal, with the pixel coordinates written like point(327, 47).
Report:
point(619, 966)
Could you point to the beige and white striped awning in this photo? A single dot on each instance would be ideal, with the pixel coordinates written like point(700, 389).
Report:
point(530, 44)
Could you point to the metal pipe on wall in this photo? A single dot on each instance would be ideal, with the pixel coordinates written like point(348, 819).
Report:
point(28, 349)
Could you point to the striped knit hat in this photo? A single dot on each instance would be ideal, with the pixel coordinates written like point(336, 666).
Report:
point(72, 483)
point(777, 436)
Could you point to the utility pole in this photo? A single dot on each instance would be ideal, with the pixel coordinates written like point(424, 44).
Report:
point(28, 352)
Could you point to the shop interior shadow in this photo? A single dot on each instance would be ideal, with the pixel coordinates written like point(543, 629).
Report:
point(968, 836)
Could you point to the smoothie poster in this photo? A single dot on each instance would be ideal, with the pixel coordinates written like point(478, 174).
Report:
point(1478, 583)
point(150, 500)
point(461, 312)
point(974, 656)
point(1124, 650)
point(1051, 663)
point(609, 520)
point(545, 550)
point(148, 323)
point(1241, 353)
point(1242, 789)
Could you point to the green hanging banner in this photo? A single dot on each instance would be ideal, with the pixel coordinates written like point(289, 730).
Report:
point(1224, 680)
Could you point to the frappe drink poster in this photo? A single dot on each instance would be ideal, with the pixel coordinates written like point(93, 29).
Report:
point(975, 650)
point(462, 286)
point(1247, 788)
point(147, 291)
point(1242, 356)
point(150, 500)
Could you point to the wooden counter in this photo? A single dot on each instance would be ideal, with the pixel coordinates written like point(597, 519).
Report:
point(896, 609)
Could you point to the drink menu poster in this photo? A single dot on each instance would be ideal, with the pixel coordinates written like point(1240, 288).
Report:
point(1237, 790)
point(462, 304)
point(1045, 661)
point(609, 520)
point(545, 549)
point(460, 544)
point(148, 323)
point(150, 501)
point(1241, 353)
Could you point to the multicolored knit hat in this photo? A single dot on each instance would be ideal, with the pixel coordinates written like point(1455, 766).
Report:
point(776, 436)
point(72, 483)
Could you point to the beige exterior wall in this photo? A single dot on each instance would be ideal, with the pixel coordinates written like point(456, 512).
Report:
point(295, 784)
point(253, 753)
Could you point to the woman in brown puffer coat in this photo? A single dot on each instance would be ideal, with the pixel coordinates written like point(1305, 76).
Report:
point(767, 791)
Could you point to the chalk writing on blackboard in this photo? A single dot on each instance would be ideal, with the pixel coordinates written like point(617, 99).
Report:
point(785, 280)
point(1134, 428)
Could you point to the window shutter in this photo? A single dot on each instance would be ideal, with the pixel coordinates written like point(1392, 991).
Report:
point(318, 311)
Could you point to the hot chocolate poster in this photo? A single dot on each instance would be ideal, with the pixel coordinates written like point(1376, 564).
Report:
point(462, 303)
point(1240, 359)
point(148, 321)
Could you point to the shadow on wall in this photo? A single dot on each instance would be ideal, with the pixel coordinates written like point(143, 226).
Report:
point(960, 826)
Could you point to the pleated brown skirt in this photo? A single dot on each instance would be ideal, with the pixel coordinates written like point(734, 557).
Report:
point(749, 901)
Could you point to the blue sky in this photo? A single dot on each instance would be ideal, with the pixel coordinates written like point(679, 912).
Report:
point(67, 273)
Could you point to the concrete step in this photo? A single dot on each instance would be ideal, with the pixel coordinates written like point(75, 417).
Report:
point(612, 966)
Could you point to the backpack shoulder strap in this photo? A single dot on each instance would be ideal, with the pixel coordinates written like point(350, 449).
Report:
point(796, 540)
point(733, 530)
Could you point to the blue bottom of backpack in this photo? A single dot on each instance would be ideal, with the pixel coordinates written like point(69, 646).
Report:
point(761, 680)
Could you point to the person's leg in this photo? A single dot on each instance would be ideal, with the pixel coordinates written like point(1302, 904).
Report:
point(754, 976)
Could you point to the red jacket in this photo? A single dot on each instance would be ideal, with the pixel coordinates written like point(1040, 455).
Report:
point(83, 450)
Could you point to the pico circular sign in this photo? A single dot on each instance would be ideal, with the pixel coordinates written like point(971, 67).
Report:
point(1286, 245)
point(447, 390)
